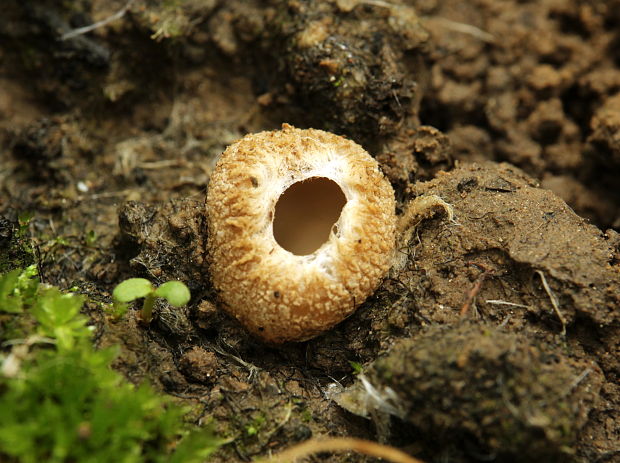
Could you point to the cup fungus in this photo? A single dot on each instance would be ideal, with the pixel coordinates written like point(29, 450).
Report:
point(301, 231)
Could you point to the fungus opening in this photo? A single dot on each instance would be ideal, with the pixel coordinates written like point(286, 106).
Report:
point(305, 214)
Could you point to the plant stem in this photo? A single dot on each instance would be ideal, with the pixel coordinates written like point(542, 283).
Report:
point(147, 308)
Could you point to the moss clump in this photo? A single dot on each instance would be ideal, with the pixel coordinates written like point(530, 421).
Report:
point(60, 399)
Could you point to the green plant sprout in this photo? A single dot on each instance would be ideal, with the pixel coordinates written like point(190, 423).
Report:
point(175, 292)
point(90, 238)
point(23, 219)
point(357, 367)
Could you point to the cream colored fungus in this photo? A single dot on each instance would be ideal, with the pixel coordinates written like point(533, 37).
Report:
point(334, 231)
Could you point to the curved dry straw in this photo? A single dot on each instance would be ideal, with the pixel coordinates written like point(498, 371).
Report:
point(341, 444)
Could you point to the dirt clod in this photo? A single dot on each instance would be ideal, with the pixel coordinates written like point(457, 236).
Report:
point(494, 391)
point(198, 364)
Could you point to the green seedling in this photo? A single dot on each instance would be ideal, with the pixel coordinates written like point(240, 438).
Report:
point(176, 293)
point(90, 238)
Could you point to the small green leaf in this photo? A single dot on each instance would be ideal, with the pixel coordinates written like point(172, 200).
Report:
point(90, 237)
point(132, 289)
point(54, 308)
point(357, 367)
point(24, 218)
point(27, 285)
point(196, 446)
point(117, 310)
point(175, 292)
point(9, 301)
point(59, 317)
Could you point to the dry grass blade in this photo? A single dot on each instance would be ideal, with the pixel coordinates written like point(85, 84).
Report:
point(341, 444)
point(554, 301)
point(91, 27)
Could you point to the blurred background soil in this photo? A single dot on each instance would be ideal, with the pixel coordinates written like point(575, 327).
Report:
point(496, 336)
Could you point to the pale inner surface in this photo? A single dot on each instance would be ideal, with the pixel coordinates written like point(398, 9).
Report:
point(305, 214)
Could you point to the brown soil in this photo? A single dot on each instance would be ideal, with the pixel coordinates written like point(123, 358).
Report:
point(495, 336)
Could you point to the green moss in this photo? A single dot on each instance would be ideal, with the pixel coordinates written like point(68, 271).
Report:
point(254, 426)
point(306, 416)
point(60, 399)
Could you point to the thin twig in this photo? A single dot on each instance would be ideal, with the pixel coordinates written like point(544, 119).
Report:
point(387, 5)
point(511, 304)
point(84, 30)
point(252, 369)
point(554, 301)
point(341, 444)
point(105, 194)
point(473, 292)
point(579, 379)
point(466, 29)
point(287, 417)
point(164, 164)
